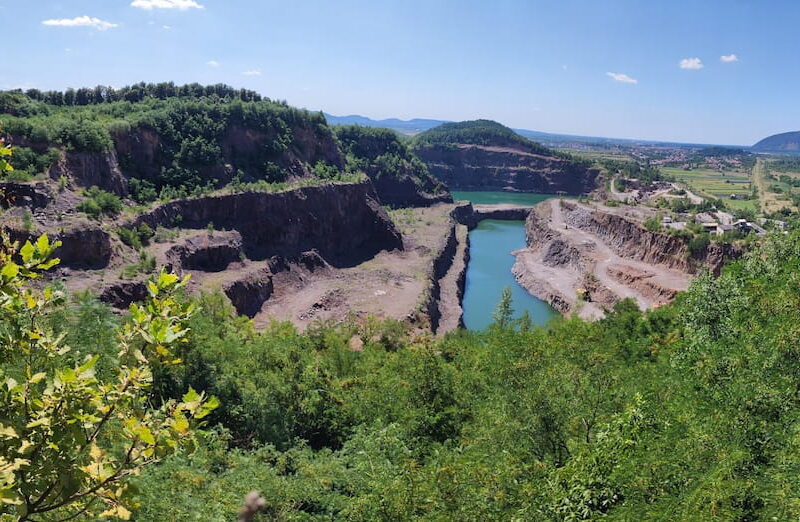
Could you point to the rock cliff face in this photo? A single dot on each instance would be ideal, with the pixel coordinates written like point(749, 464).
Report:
point(344, 222)
point(30, 195)
point(631, 240)
point(87, 169)
point(207, 252)
point(85, 246)
point(404, 192)
point(249, 293)
point(478, 167)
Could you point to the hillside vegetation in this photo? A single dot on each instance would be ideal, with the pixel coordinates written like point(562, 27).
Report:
point(485, 155)
point(687, 412)
point(166, 141)
point(398, 175)
point(478, 132)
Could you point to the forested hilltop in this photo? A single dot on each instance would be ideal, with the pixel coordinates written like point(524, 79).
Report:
point(162, 141)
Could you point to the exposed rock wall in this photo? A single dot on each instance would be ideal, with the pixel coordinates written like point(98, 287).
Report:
point(404, 192)
point(631, 240)
point(85, 246)
point(143, 152)
point(343, 222)
point(250, 292)
point(443, 260)
point(31, 195)
point(87, 169)
point(474, 167)
point(207, 252)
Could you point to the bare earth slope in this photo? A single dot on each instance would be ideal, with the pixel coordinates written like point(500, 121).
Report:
point(583, 260)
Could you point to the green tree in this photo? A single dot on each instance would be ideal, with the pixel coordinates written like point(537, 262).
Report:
point(504, 312)
point(69, 439)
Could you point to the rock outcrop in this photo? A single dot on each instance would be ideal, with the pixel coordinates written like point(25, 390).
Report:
point(480, 167)
point(631, 240)
point(207, 252)
point(249, 293)
point(343, 222)
point(30, 195)
point(122, 294)
point(84, 247)
point(92, 169)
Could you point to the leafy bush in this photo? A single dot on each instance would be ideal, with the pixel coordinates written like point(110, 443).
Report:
point(99, 203)
point(72, 437)
point(136, 237)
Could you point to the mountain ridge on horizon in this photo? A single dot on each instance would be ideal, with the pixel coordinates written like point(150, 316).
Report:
point(415, 126)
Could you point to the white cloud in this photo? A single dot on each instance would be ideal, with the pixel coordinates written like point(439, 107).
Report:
point(619, 77)
point(183, 5)
point(691, 63)
point(166, 27)
point(728, 58)
point(80, 21)
point(213, 63)
point(253, 72)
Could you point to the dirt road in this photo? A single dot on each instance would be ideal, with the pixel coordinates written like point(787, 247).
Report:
point(617, 277)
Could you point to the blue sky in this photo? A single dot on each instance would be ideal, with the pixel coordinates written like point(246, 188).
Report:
point(541, 65)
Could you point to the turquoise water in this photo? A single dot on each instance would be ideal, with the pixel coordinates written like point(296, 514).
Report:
point(489, 271)
point(494, 198)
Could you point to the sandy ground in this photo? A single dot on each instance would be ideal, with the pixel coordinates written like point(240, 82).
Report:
point(649, 285)
point(391, 285)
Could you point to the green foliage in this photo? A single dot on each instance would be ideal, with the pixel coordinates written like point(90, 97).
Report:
point(72, 438)
point(5, 165)
point(30, 163)
point(504, 312)
point(199, 131)
point(98, 203)
point(136, 237)
point(142, 191)
point(687, 412)
point(384, 158)
point(478, 132)
point(653, 224)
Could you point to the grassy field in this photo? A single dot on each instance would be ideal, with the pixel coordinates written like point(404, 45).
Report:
point(711, 183)
point(771, 200)
point(597, 155)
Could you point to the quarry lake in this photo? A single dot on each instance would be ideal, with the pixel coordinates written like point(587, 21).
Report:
point(496, 198)
point(489, 271)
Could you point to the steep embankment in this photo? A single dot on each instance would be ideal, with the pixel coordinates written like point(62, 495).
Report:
point(484, 155)
point(343, 222)
point(631, 240)
point(584, 260)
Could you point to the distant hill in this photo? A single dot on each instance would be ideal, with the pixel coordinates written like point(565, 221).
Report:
point(408, 127)
point(786, 142)
point(478, 132)
point(485, 155)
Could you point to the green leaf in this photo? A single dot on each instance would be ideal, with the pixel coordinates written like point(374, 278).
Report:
point(27, 252)
point(43, 244)
point(10, 270)
point(146, 435)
